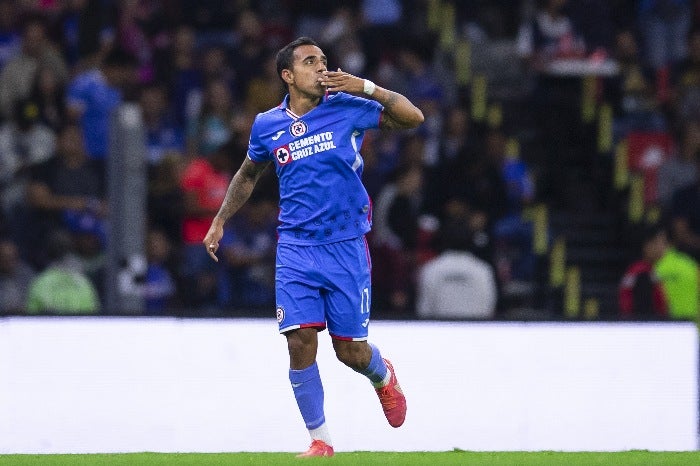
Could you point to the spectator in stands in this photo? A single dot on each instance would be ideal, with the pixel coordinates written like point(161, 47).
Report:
point(265, 90)
point(456, 284)
point(68, 189)
point(94, 94)
point(48, 93)
point(394, 236)
point(19, 73)
point(633, 90)
point(180, 70)
point(213, 126)
point(664, 25)
point(15, 277)
point(248, 248)
point(163, 134)
point(165, 196)
point(249, 53)
point(680, 277)
point(511, 230)
point(204, 183)
point(685, 216)
point(548, 36)
point(641, 294)
point(62, 288)
point(25, 142)
point(685, 81)
point(159, 285)
point(10, 37)
point(679, 170)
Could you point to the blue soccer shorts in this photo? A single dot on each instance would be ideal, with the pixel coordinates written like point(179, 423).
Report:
point(326, 285)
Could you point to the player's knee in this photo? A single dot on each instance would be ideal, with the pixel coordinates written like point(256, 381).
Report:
point(353, 354)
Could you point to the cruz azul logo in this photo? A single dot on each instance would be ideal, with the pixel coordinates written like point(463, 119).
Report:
point(304, 147)
point(298, 128)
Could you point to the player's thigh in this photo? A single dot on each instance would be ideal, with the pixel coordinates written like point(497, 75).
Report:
point(297, 290)
point(349, 294)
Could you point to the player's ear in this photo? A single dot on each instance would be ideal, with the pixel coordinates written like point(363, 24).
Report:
point(287, 76)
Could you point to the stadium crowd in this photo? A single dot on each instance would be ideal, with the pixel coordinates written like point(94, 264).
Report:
point(514, 95)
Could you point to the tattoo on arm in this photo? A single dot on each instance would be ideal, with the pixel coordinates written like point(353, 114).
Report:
point(388, 120)
point(240, 188)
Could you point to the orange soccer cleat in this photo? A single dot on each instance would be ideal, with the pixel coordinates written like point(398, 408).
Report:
point(317, 448)
point(392, 399)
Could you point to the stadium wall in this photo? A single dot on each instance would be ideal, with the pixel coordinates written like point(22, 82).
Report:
point(78, 385)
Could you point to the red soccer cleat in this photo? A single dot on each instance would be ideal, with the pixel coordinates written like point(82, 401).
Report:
point(317, 448)
point(392, 399)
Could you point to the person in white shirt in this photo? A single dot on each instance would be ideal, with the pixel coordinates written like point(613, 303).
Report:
point(456, 284)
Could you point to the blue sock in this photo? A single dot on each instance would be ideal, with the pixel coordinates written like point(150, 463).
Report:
point(308, 392)
point(376, 371)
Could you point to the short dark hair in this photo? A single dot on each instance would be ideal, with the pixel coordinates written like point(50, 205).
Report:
point(285, 56)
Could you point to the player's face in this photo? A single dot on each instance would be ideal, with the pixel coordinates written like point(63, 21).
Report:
point(309, 64)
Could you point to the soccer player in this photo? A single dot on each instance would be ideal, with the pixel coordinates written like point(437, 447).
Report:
point(322, 265)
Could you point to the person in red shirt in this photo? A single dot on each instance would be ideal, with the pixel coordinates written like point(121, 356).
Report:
point(204, 183)
point(641, 295)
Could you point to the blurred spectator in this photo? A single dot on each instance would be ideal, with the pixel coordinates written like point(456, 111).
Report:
point(165, 196)
point(679, 170)
point(685, 216)
point(381, 28)
point(163, 134)
point(180, 70)
point(94, 94)
point(548, 36)
point(204, 183)
point(685, 81)
point(159, 285)
point(664, 25)
point(633, 90)
point(265, 90)
point(66, 191)
point(641, 294)
point(19, 73)
point(395, 231)
point(10, 38)
point(680, 277)
point(62, 288)
point(48, 93)
point(25, 142)
point(249, 52)
point(456, 284)
point(15, 277)
point(512, 232)
point(213, 126)
point(248, 249)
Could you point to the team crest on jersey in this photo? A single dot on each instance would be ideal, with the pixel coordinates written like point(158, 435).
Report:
point(280, 314)
point(298, 128)
point(283, 156)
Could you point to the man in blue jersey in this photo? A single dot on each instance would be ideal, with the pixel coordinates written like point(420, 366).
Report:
point(323, 265)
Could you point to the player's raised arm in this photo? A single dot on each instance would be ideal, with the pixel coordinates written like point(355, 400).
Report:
point(399, 112)
point(237, 194)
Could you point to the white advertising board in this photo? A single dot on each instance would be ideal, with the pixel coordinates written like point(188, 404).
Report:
point(86, 385)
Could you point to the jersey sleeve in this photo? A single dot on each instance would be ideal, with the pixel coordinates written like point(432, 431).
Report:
point(257, 152)
point(366, 112)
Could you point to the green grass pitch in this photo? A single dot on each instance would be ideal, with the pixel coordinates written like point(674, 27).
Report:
point(457, 457)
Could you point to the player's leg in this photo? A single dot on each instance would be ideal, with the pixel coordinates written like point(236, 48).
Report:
point(308, 389)
point(300, 317)
point(347, 268)
point(366, 359)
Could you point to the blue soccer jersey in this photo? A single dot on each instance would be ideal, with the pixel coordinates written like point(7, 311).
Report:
point(317, 159)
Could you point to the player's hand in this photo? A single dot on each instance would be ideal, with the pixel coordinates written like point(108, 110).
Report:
point(211, 240)
point(336, 81)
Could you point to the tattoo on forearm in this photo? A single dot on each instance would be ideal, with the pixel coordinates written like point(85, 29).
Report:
point(393, 97)
point(240, 188)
